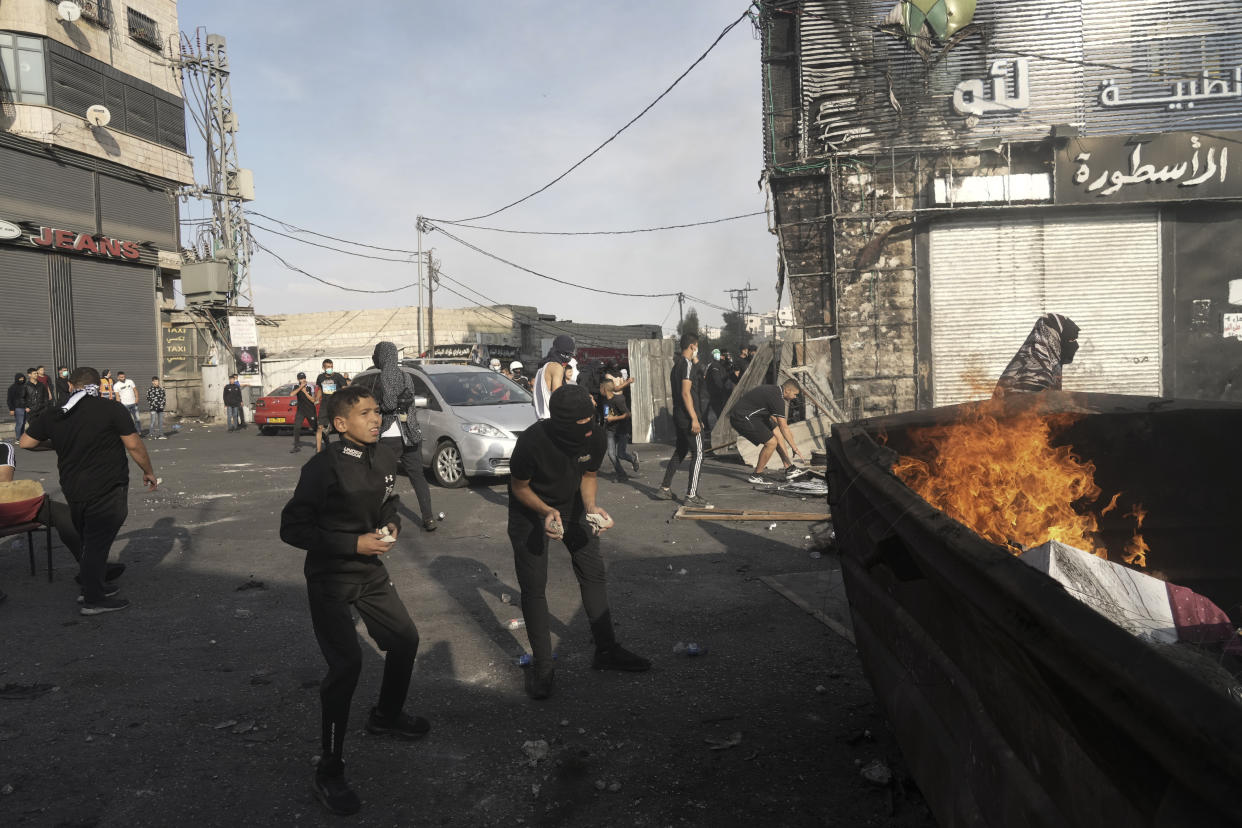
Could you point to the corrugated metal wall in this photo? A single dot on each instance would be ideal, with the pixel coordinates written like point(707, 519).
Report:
point(25, 328)
point(40, 189)
point(863, 89)
point(991, 277)
point(114, 317)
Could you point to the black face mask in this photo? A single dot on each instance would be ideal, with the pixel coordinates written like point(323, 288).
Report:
point(1068, 349)
point(570, 436)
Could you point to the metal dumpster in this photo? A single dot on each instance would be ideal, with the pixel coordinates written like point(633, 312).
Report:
point(1014, 703)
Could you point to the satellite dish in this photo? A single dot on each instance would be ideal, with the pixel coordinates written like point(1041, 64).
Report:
point(98, 115)
point(69, 11)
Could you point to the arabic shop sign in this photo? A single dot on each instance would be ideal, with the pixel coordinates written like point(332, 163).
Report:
point(1174, 166)
point(1182, 95)
point(970, 96)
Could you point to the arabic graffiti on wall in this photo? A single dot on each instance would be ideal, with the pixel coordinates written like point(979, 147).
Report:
point(1174, 166)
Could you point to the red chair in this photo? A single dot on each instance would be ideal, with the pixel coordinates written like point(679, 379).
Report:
point(23, 513)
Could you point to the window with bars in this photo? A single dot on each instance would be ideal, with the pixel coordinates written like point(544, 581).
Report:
point(23, 68)
point(143, 29)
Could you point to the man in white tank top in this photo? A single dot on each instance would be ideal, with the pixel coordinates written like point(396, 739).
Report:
point(551, 375)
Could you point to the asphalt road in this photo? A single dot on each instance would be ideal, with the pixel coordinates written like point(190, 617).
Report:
point(199, 704)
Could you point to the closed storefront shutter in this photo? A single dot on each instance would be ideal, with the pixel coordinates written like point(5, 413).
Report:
point(132, 211)
point(38, 189)
point(115, 320)
point(25, 325)
point(992, 277)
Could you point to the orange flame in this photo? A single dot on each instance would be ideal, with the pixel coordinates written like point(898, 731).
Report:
point(1006, 481)
point(1136, 548)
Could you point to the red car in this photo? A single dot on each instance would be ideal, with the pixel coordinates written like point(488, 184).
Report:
point(277, 410)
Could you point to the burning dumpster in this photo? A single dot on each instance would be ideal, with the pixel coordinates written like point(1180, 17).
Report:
point(1015, 702)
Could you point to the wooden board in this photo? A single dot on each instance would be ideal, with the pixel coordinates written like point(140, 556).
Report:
point(698, 513)
point(652, 414)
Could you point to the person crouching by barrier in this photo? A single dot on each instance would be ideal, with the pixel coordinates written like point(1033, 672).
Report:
point(758, 415)
point(344, 514)
point(552, 491)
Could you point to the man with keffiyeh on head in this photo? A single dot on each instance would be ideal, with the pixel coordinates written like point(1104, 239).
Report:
point(399, 431)
point(552, 492)
point(91, 436)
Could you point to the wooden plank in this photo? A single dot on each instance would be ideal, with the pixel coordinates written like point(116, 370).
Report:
point(698, 513)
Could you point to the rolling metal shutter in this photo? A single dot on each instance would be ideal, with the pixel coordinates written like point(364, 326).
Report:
point(132, 211)
point(26, 325)
point(37, 188)
point(992, 277)
point(115, 320)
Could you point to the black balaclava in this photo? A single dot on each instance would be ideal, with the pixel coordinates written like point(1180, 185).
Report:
point(19, 378)
point(562, 350)
point(569, 404)
point(1069, 336)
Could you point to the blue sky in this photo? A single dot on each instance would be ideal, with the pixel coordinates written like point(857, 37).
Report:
point(355, 123)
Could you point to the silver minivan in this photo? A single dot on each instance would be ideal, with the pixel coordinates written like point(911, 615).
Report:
point(471, 420)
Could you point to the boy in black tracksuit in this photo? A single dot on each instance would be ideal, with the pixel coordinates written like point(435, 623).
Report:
point(341, 512)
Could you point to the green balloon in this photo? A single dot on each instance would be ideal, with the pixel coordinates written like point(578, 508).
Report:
point(961, 13)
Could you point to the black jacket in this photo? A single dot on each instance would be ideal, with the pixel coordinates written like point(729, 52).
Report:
point(343, 492)
point(17, 392)
point(36, 397)
point(232, 395)
point(62, 390)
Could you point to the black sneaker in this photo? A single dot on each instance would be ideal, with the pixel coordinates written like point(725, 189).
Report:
point(540, 683)
point(429, 525)
point(696, 500)
point(295, 449)
point(619, 658)
point(757, 479)
point(334, 793)
point(634, 463)
point(109, 590)
point(104, 605)
point(403, 725)
point(111, 573)
point(793, 473)
point(666, 494)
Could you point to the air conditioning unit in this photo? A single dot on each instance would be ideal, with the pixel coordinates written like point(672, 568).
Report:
point(206, 282)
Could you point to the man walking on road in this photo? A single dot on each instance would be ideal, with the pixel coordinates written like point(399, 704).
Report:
point(62, 385)
point(126, 391)
point(686, 422)
point(326, 384)
point(91, 436)
point(17, 404)
point(304, 395)
point(155, 402)
point(233, 403)
point(552, 495)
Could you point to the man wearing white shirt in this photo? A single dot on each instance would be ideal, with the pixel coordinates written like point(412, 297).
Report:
point(127, 393)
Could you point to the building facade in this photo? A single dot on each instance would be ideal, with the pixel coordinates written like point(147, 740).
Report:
point(92, 151)
point(940, 182)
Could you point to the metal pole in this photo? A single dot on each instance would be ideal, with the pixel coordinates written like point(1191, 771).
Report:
point(419, 224)
point(431, 303)
point(681, 300)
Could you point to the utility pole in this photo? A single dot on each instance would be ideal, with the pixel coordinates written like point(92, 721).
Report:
point(681, 316)
point(228, 185)
point(740, 299)
point(418, 223)
point(432, 278)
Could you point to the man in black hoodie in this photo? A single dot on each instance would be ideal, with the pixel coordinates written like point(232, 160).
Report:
point(552, 492)
point(17, 404)
point(344, 514)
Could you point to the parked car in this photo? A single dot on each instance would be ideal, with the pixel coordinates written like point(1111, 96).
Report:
point(471, 421)
point(277, 410)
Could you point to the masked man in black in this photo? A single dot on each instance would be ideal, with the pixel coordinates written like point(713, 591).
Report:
point(400, 432)
point(552, 495)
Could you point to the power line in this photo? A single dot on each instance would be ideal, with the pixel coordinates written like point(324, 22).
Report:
point(630, 123)
point(525, 269)
point(330, 247)
point(297, 229)
point(297, 269)
point(602, 232)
